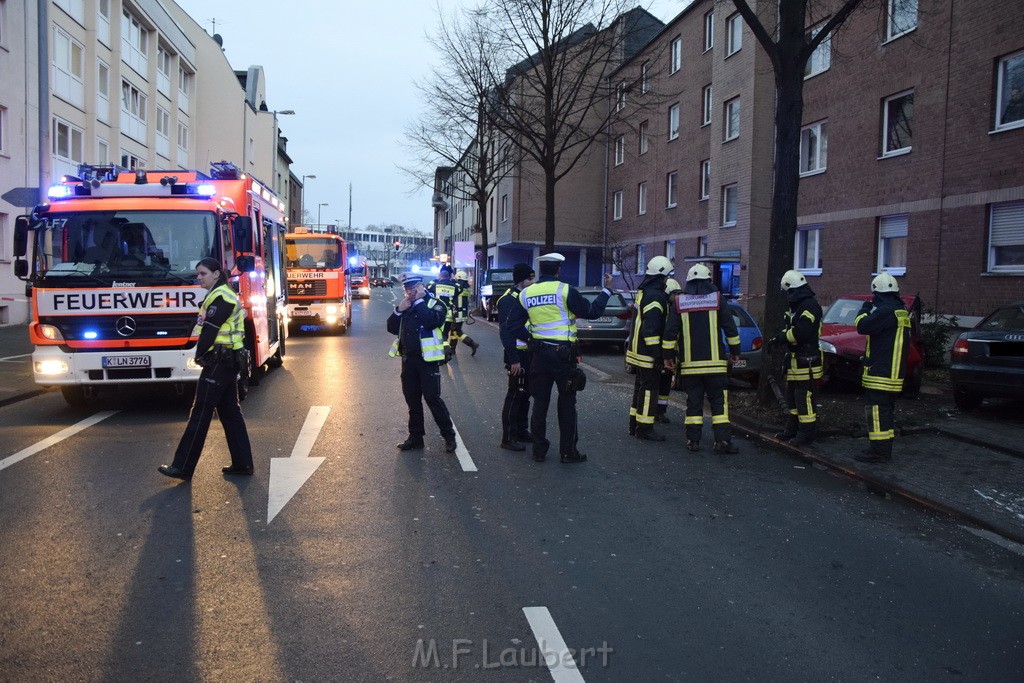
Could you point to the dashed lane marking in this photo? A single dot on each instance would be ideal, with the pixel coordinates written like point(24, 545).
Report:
point(13, 358)
point(556, 654)
point(56, 438)
point(463, 453)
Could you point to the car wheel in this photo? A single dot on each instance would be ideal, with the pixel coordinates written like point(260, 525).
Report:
point(966, 400)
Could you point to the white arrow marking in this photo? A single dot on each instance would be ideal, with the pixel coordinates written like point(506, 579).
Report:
point(56, 438)
point(463, 453)
point(287, 475)
point(556, 654)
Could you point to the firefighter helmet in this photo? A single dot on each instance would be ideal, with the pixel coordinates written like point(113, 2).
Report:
point(698, 272)
point(793, 279)
point(659, 265)
point(461, 275)
point(884, 283)
point(672, 286)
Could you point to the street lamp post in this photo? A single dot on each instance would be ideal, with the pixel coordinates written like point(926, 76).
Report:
point(302, 204)
point(318, 207)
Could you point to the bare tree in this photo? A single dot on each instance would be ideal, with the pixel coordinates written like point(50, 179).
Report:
point(781, 28)
point(552, 105)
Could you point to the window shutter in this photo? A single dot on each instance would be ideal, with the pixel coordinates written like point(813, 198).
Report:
point(1007, 224)
point(892, 226)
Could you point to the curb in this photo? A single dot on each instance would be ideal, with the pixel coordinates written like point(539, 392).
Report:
point(754, 430)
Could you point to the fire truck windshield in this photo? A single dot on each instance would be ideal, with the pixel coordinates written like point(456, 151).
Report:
point(313, 252)
point(125, 243)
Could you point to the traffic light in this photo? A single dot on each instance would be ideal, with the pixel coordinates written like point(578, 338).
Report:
point(398, 245)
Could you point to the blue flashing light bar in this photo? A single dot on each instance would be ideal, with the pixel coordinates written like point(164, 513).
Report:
point(91, 334)
point(353, 260)
point(60, 191)
point(205, 190)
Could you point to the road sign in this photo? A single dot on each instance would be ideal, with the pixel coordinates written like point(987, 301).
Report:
point(21, 196)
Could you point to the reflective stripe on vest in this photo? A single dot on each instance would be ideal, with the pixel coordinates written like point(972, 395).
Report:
point(550, 319)
point(232, 333)
point(514, 294)
point(431, 345)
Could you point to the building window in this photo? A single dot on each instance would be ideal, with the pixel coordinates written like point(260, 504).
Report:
point(102, 91)
point(702, 246)
point(645, 82)
point(133, 111)
point(898, 120)
point(134, 44)
point(163, 70)
point(620, 150)
point(620, 97)
point(670, 250)
point(807, 253)
point(672, 183)
point(163, 132)
point(504, 207)
point(1010, 92)
point(644, 142)
point(709, 30)
point(641, 258)
point(617, 205)
point(67, 148)
point(131, 161)
point(1006, 237)
point(813, 148)
point(705, 179)
point(102, 151)
point(673, 121)
point(182, 137)
point(733, 34)
point(68, 68)
point(184, 88)
point(892, 244)
point(675, 55)
point(732, 119)
point(706, 107)
point(3, 130)
point(901, 17)
point(821, 59)
point(641, 199)
point(616, 260)
point(103, 21)
point(74, 8)
point(729, 202)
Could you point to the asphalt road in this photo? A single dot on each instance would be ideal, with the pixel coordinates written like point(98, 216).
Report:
point(650, 564)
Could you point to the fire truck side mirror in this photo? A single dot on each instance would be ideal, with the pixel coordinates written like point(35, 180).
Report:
point(21, 268)
point(243, 234)
point(21, 226)
point(245, 264)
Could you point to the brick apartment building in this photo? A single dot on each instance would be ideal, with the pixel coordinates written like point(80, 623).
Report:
point(910, 157)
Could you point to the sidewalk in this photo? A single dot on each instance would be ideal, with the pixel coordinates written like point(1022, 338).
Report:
point(16, 382)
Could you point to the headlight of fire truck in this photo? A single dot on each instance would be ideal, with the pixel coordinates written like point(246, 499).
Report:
point(50, 332)
point(331, 310)
point(191, 364)
point(52, 366)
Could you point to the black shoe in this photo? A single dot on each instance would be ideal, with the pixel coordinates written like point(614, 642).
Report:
point(871, 456)
point(411, 443)
point(512, 446)
point(785, 436)
point(726, 447)
point(523, 437)
point(573, 457)
point(472, 345)
point(231, 469)
point(693, 446)
point(450, 445)
point(539, 457)
point(173, 472)
point(649, 434)
point(802, 438)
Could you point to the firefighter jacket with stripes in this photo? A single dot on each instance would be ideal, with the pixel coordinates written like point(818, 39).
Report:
point(701, 320)
point(508, 300)
point(651, 311)
point(419, 330)
point(547, 312)
point(462, 302)
point(802, 328)
point(447, 292)
point(221, 321)
point(887, 327)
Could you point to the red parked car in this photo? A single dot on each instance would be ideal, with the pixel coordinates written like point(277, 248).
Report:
point(843, 346)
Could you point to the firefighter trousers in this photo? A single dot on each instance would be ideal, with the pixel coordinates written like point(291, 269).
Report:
point(881, 414)
point(646, 390)
point(715, 388)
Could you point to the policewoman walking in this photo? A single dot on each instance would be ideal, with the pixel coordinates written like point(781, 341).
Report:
point(221, 333)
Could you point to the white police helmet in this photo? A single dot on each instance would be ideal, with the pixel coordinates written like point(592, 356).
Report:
point(698, 272)
point(672, 285)
point(793, 279)
point(885, 283)
point(659, 265)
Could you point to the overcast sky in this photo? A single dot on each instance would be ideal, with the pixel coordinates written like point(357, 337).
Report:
point(347, 69)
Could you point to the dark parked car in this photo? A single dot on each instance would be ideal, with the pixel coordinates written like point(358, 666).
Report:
point(987, 361)
point(612, 327)
point(844, 347)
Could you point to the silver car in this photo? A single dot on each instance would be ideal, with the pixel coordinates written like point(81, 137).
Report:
point(610, 328)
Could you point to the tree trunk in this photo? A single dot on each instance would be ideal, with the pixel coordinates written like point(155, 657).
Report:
point(549, 209)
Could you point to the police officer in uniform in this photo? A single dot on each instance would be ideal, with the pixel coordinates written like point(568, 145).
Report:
point(462, 297)
point(645, 349)
point(221, 334)
point(515, 428)
point(886, 323)
point(704, 363)
point(418, 321)
point(548, 309)
point(801, 329)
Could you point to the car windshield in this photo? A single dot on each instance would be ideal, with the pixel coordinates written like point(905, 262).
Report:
point(125, 243)
point(741, 317)
point(842, 311)
point(1009, 318)
point(313, 252)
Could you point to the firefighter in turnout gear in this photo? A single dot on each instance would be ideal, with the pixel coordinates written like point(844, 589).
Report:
point(697, 327)
point(546, 319)
point(886, 322)
point(418, 321)
point(801, 329)
point(445, 289)
point(645, 349)
point(515, 426)
point(221, 332)
point(672, 289)
point(462, 297)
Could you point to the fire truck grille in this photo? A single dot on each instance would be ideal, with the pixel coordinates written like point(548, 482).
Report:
point(120, 328)
point(307, 287)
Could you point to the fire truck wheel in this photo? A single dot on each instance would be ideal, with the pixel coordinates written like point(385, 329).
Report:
point(277, 360)
point(255, 369)
point(78, 396)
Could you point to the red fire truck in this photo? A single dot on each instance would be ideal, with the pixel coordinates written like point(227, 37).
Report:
point(112, 273)
point(318, 284)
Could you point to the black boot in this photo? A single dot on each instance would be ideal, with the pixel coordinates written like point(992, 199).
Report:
point(792, 426)
point(471, 344)
point(413, 442)
point(805, 435)
point(878, 451)
point(647, 433)
point(632, 425)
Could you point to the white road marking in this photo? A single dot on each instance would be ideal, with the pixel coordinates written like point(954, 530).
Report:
point(287, 475)
point(56, 438)
point(552, 647)
point(463, 453)
point(997, 539)
point(10, 358)
point(599, 375)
